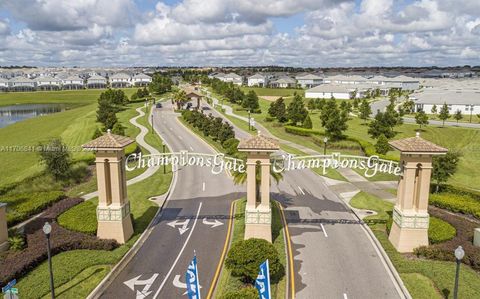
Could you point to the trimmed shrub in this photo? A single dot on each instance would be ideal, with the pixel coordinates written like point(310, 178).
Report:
point(270, 119)
point(301, 131)
point(456, 203)
point(22, 206)
point(244, 293)
point(18, 264)
point(81, 218)
point(440, 231)
point(16, 242)
point(245, 257)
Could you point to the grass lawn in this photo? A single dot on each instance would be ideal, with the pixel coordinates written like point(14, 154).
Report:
point(423, 278)
point(281, 92)
point(75, 126)
point(228, 283)
point(88, 267)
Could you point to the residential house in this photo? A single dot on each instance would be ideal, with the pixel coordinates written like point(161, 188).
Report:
point(141, 80)
point(96, 81)
point(234, 78)
point(308, 80)
point(21, 84)
point(120, 80)
point(48, 83)
point(73, 82)
point(3, 84)
point(284, 82)
point(328, 91)
point(257, 80)
point(468, 102)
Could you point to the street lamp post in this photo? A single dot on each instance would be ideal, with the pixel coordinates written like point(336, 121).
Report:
point(47, 229)
point(151, 116)
point(325, 140)
point(459, 254)
point(164, 166)
point(249, 120)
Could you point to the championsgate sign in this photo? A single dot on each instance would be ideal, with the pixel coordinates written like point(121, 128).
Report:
point(370, 165)
point(219, 162)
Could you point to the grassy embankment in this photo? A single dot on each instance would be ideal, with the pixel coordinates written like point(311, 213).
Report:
point(75, 126)
point(425, 279)
point(228, 283)
point(88, 267)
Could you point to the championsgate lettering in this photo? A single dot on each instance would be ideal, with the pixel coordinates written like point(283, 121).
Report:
point(217, 162)
point(371, 165)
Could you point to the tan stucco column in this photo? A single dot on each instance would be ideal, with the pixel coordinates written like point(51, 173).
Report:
point(410, 214)
point(113, 211)
point(3, 227)
point(258, 215)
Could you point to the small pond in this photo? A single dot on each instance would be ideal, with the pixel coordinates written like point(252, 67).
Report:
point(15, 113)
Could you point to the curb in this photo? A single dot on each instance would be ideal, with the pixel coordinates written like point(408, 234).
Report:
point(398, 282)
point(98, 291)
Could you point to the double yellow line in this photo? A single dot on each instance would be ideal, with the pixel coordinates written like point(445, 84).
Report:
point(224, 252)
point(226, 245)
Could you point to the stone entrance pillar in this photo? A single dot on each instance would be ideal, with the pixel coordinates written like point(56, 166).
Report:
point(410, 214)
point(3, 227)
point(113, 211)
point(258, 215)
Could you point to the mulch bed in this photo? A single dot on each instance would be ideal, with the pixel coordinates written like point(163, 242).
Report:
point(17, 264)
point(445, 251)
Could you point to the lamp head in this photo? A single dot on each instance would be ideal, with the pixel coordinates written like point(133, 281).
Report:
point(325, 139)
point(47, 228)
point(459, 253)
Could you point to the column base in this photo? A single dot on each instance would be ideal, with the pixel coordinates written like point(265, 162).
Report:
point(4, 246)
point(258, 223)
point(115, 223)
point(408, 231)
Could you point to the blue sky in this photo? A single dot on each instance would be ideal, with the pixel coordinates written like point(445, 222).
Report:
point(240, 32)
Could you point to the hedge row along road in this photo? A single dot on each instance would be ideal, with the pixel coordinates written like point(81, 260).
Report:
point(334, 257)
point(195, 217)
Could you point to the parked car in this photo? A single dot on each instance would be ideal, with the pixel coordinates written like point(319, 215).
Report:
point(189, 105)
point(158, 105)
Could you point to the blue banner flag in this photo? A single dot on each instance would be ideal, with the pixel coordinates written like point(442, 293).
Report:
point(193, 285)
point(262, 283)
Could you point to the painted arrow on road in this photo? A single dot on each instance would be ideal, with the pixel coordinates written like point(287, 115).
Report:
point(137, 282)
point(183, 228)
point(181, 285)
point(213, 224)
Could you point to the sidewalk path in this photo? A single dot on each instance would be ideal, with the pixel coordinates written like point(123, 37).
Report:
point(140, 139)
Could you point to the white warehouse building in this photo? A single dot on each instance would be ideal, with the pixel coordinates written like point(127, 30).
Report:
point(468, 102)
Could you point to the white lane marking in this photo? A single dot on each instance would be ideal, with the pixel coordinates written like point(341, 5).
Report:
point(180, 253)
point(345, 296)
point(181, 285)
point(324, 231)
point(184, 225)
point(147, 283)
point(213, 224)
point(301, 191)
point(171, 129)
point(203, 187)
point(180, 137)
point(191, 148)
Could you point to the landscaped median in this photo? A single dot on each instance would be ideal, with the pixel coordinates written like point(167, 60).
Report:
point(430, 272)
point(238, 261)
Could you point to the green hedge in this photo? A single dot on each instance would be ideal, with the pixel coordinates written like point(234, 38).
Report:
point(301, 131)
point(21, 206)
point(440, 231)
point(81, 218)
point(456, 203)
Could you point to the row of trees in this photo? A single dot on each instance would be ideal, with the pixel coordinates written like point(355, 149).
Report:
point(235, 95)
point(141, 93)
point(295, 113)
point(110, 102)
point(160, 84)
point(211, 126)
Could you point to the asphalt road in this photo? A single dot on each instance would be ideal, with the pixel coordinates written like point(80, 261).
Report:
point(334, 256)
point(198, 201)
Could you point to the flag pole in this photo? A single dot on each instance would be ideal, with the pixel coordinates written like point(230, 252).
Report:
point(268, 280)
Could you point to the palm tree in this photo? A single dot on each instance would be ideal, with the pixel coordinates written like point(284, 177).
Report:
point(240, 178)
point(180, 98)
